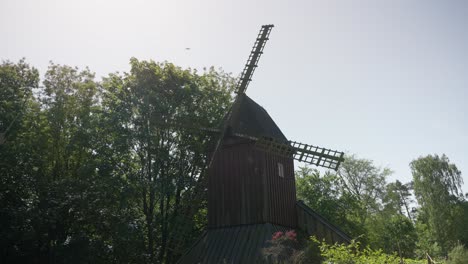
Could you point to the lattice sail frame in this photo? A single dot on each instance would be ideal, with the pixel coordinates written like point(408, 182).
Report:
point(245, 79)
point(254, 57)
point(318, 156)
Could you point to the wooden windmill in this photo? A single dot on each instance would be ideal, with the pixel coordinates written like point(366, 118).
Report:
point(251, 184)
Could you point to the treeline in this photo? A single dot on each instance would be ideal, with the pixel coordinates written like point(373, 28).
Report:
point(107, 171)
point(113, 171)
point(428, 215)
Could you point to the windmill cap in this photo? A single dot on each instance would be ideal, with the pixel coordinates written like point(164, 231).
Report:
point(253, 120)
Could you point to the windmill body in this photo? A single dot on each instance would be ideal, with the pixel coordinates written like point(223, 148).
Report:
point(251, 184)
point(248, 185)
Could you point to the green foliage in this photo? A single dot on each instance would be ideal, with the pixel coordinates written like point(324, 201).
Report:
point(458, 255)
point(397, 198)
point(322, 194)
point(364, 181)
point(393, 234)
point(310, 253)
point(283, 247)
point(157, 106)
point(348, 199)
point(460, 220)
point(354, 253)
point(437, 185)
point(17, 159)
point(100, 172)
point(94, 172)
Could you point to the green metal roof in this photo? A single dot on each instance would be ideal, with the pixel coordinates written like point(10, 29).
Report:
point(244, 243)
point(237, 244)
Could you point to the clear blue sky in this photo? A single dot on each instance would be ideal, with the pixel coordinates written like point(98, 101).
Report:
point(386, 80)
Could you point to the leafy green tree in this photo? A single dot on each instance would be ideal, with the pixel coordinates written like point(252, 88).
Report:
point(397, 198)
point(365, 182)
point(160, 106)
point(460, 220)
point(378, 209)
point(391, 228)
point(16, 88)
point(322, 194)
point(458, 255)
point(393, 233)
point(97, 172)
point(437, 184)
point(17, 159)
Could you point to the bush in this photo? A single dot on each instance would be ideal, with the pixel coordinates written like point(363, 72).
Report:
point(282, 247)
point(458, 255)
point(353, 254)
point(310, 254)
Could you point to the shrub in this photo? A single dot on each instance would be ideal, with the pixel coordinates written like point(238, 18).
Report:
point(458, 255)
point(310, 254)
point(353, 254)
point(282, 247)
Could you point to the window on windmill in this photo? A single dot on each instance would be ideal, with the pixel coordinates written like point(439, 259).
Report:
point(280, 170)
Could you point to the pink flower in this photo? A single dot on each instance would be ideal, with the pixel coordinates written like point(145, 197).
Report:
point(291, 234)
point(277, 235)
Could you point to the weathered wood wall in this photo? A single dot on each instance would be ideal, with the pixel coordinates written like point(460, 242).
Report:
point(281, 191)
point(245, 188)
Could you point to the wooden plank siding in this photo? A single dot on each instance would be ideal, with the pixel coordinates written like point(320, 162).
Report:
point(245, 187)
point(281, 192)
point(235, 195)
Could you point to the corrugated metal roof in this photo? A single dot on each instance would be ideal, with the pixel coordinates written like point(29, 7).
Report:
point(237, 244)
point(244, 243)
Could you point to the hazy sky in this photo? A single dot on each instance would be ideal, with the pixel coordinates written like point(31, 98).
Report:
point(386, 80)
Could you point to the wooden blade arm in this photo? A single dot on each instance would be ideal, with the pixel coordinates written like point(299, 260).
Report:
point(302, 152)
point(253, 59)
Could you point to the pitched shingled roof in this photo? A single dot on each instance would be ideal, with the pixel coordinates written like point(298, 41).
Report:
point(249, 118)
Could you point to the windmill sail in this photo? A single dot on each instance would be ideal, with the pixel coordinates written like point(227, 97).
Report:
point(252, 61)
point(184, 125)
point(302, 152)
point(244, 81)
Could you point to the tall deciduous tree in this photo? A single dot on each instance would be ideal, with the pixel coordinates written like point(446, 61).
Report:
point(97, 172)
point(17, 159)
point(437, 184)
point(398, 199)
point(364, 181)
point(322, 194)
point(161, 106)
